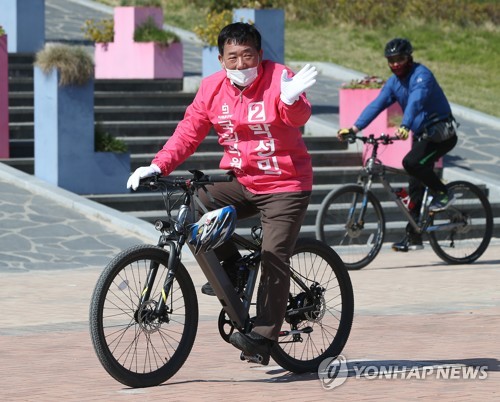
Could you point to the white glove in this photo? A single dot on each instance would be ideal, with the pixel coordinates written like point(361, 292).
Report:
point(141, 173)
point(291, 88)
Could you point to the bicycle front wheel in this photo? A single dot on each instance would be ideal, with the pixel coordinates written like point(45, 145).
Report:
point(352, 224)
point(461, 233)
point(136, 346)
point(309, 337)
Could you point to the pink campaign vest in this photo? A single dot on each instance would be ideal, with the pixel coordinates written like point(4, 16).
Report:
point(260, 134)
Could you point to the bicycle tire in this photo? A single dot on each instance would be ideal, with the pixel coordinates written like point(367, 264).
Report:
point(315, 262)
point(356, 245)
point(465, 244)
point(149, 354)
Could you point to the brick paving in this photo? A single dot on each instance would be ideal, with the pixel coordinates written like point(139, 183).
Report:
point(419, 312)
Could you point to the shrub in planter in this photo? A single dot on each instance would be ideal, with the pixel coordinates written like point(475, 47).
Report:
point(74, 64)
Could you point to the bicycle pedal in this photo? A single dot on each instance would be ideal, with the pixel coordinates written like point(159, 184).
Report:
point(252, 359)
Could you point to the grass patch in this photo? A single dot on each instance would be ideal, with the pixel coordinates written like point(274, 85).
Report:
point(464, 57)
point(74, 63)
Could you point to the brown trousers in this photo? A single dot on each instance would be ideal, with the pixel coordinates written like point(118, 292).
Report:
point(281, 217)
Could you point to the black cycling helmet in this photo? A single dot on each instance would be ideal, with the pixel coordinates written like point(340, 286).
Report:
point(398, 46)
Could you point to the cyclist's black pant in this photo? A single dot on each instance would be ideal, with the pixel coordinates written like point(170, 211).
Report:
point(419, 163)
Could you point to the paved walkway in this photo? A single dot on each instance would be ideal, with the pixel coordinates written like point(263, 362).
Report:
point(411, 309)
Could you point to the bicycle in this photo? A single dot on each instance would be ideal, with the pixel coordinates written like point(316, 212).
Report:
point(144, 310)
point(351, 218)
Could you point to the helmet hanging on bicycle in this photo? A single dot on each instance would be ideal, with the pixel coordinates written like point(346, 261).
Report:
point(213, 229)
point(398, 52)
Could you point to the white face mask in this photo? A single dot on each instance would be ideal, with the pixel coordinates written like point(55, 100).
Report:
point(242, 77)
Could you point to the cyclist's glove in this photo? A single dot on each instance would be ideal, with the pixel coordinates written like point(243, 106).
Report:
point(141, 173)
point(403, 132)
point(345, 132)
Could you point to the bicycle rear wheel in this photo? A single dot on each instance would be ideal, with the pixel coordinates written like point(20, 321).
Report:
point(472, 221)
point(308, 338)
point(357, 239)
point(135, 347)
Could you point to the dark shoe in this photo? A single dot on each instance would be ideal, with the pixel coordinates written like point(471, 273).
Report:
point(207, 289)
point(231, 271)
point(410, 242)
point(441, 201)
point(253, 345)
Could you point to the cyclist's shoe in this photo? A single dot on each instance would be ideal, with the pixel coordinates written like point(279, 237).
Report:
point(253, 345)
point(231, 271)
point(441, 201)
point(410, 242)
point(207, 289)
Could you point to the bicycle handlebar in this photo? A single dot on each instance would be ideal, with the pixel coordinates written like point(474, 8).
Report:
point(371, 139)
point(198, 179)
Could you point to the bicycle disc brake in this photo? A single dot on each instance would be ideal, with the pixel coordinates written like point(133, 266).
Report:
point(146, 318)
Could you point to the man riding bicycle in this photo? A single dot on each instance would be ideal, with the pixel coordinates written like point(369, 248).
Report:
point(427, 114)
point(257, 108)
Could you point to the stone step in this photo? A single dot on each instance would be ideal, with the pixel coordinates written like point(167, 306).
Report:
point(395, 221)
point(150, 136)
point(21, 58)
point(20, 84)
point(24, 114)
point(20, 70)
point(122, 129)
point(139, 113)
point(26, 84)
point(17, 99)
point(142, 98)
point(117, 98)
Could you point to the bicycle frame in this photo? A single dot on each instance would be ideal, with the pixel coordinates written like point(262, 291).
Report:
point(236, 305)
point(375, 169)
point(420, 225)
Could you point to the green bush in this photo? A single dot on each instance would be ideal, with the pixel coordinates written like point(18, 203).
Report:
point(2, 31)
point(149, 32)
point(215, 21)
point(105, 142)
point(99, 32)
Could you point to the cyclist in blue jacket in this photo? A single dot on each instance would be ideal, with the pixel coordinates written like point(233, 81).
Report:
point(427, 113)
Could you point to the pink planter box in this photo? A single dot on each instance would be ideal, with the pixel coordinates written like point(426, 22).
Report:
point(351, 104)
point(126, 59)
point(4, 98)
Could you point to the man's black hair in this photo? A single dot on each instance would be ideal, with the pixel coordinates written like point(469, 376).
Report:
point(239, 33)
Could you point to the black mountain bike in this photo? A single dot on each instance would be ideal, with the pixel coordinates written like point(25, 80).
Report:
point(144, 309)
point(351, 218)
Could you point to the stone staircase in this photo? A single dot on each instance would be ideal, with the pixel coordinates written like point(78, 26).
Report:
point(144, 113)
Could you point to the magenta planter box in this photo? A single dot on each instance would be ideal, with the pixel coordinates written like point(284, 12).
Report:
point(4, 98)
point(351, 104)
point(126, 59)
